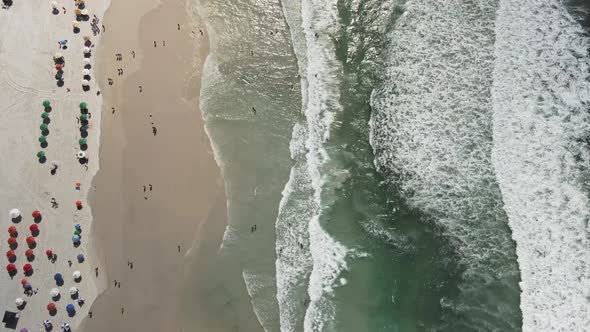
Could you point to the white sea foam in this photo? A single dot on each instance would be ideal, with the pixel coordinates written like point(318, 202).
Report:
point(541, 121)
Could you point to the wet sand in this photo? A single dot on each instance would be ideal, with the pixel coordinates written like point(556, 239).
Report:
point(158, 89)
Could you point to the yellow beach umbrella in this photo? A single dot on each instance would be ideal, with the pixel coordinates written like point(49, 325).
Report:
point(78, 12)
point(75, 24)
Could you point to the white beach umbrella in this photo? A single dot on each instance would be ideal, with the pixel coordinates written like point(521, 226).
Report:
point(54, 292)
point(77, 274)
point(84, 12)
point(54, 4)
point(73, 291)
point(86, 61)
point(81, 154)
point(75, 24)
point(85, 82)
point(86, 50)
point(19, 301)
point(14, 213)
point(85, 72)
point(57, 55)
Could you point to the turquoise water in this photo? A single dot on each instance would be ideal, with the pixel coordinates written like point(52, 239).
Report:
point(369, 167)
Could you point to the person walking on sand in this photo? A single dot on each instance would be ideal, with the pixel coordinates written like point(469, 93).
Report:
point(154, 130)
point(154, 43)
point(96, 271)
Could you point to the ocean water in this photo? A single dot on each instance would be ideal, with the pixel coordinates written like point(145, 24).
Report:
point(407, 165)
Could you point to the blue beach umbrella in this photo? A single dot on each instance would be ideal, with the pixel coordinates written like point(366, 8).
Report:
point(80, 258)
point(70, 308)
point(76, 238)
point(57, 277)
point(78, 227)
point(27, 286)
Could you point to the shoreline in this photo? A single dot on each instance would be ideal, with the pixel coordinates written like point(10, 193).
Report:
point(146, 228)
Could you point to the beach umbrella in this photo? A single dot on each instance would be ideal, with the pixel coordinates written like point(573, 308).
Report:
point(83, 105)
point(83, 117)
point(51, 306)
point(29, 253)
point(57, 277)
point(19, 301)
point(77, 232)
point(42, 139)
point(46, 103)
point(77, 274)
point(14, 213)
point(81, 154)
point(30, 240)
point(27, 268)
point(75, 24)
point(23, 281)
point(27, 286)
point(54, 4)
point(85, 12)
point(86, 61)
point(43, 126)
point(79, 203)
point(76, 238)
point(12, 230)
point(85, 72)
point(59, 66)
point(36, 214)
point(86, 50)
point(48, 252)
point(10, 254)
point(82, 141)
point(54, 292)
point(78, 227)
point(11, 241)
point(40, 154)
point(24, 329)
point(73, 291)
point(85, 83)
point(80, 258)
point(34, 228)
point(10, 267)
point(70, 308)
point(45, 115)
point(56, 56)
point(78, 11)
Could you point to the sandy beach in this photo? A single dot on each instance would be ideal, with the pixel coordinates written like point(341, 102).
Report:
point(31, 33)
point(158, 181)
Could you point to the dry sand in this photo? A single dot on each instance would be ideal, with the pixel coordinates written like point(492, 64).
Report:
point(131, 225)
point(30, 35)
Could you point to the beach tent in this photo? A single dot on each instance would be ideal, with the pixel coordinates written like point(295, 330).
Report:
point(10, 254)
point(14, 213)
point(40, 154)
point(30, 240)
point(77, 274)
point(27, 268)
point(73, 291)
point(81, 154)
point(85, 72)
point(54, 292)
point(45, 115)
point(12, 230)
point(11, 241)
point(82, 141)
point(36, 214)
point(10, 318)
point(29, 253)
point(86, 50)
point(34, 227)
point(19, 301)
point(46, 103)
point(57, 277)
point(10, 267)
point(83, 106)
point(51, 307)
point(43, 127)
point(85, 83)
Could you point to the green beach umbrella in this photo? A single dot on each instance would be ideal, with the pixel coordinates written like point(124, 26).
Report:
point(82, 141)
point(46, 103)
point(83, 117)
point(45, 115)
point(42, 139)
point(77, 232)
point(40, 154)
point(43, 126)
point(83, 106)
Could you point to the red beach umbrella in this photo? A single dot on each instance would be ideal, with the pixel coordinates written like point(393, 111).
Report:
point(59, 66)
point(10, 268)
point(12, 230)
point(51, 307)
point(33, 228)
point(36, 214)
point(48, 252)
point(10, 254)
point(29, 253)
point(79, 203)
point(30, 240)
point(11, 241)
point(23, 281)
point(27, 267)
